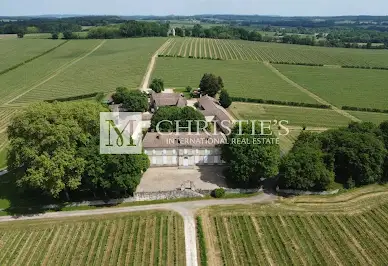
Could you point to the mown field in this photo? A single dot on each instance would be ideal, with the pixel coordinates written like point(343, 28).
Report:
point(340, 86)
point(296, 116)
point(144, 238)
point(245, 50)
point(16, 51)
point(79, 67)
point(348, 229)
point(376, 118)
point(241, 78)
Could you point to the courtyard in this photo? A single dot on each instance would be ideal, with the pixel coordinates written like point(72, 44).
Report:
point(172, 178)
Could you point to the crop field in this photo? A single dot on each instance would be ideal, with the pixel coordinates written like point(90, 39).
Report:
point(16, 51)
point(342, 86)
point(144, 238)
point(297, 116)
point(339, 230)
point(241, 78)
point(116, 63)
point(376, 118)
point(79, 67)
point(245, 50)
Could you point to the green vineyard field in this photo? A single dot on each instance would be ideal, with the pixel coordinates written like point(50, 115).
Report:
point(326, 232)
point(144, 238)
point(276, 52)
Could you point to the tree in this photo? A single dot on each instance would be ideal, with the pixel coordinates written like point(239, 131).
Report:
point(132, 101)
point(248, 160)
point(20, 34)
point(119, 95)
point(179, 32)
point(356, 155)
point(210, 84)
point(68, 35)
point(157, 85)
point(44, 142)
point(112, 172)
point(189, 89)
point(225, 100)
point(384, 132)
point(135, 101)
point(56, 146)
point(54, 35)
point(304, 168)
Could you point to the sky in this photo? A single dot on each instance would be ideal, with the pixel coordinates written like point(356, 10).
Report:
point(192, 7)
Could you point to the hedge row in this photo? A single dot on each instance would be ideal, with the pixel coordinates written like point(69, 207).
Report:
point(32, 58)
point(366, 67)
point(293, 63)
point(363, 109)
point(201, 241)
point(250, 100)
point(73, 98)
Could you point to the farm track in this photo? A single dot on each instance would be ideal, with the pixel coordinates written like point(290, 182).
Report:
point(57, 72)
point(151, 65)
point(309, 93)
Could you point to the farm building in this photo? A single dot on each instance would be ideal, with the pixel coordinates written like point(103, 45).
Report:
point(183, 149)
point(167, 99)
point(214, 112)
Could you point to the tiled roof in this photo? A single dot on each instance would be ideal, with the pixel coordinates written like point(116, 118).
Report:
point(168, 99)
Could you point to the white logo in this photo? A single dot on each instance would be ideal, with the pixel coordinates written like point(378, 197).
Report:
point(121, 133)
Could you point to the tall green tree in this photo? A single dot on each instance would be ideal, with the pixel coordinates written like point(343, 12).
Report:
point(44, 142)
point(210, 84)
point(358, 156)
point(248, 160)
point(225, 100)
point(305, 168)
point(135, 101)
point(157, 85)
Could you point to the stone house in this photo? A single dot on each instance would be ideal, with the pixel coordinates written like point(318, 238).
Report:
point(183, 149)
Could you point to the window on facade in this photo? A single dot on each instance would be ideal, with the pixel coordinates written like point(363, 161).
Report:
point(153, 152)
point(185, 151)
point(164, 152)
point(174, 152)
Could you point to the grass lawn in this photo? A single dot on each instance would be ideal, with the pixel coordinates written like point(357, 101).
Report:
point(376, 118)
point(340, 86)
point(241, 78)
point(297, 116)
point(346, 229)
point(16, 51)
point(139, 238)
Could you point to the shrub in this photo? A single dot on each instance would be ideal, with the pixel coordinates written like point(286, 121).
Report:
point(219, 193)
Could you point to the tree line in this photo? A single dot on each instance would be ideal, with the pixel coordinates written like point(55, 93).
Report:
point(351, 156)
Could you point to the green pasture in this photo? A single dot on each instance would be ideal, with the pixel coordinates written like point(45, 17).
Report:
point(241, 78)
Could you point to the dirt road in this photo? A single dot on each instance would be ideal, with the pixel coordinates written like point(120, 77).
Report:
point(151, 65)
point(186, 209)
